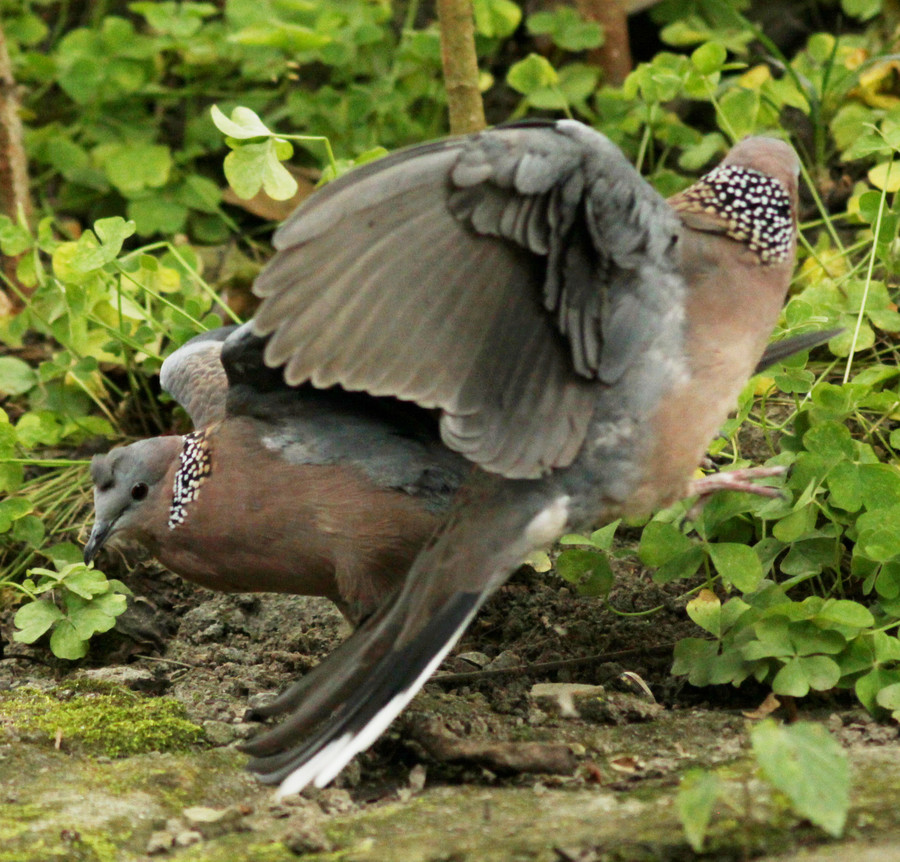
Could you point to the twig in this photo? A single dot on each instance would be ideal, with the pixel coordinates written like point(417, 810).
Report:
point(542, 667)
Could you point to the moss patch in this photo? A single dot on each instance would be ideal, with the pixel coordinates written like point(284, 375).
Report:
point(99, 719)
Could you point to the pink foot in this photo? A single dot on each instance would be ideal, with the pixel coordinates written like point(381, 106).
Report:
point(733, 480)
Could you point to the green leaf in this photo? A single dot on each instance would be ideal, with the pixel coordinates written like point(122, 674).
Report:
point(737, 564)
point(200, 193)
point(808, 639)
point(64, 554)
point(887, 648)
point(532, 73)
point(155, 214)
point(808, 766)
point(829, 440)
point(846, 613)
point(868, 686)
point(680, 566)
point(740, 111)
point(16, 376)
point(25, 29)
point(880, 487)
point(603, 538)
point(496, 18)
point(661, 542)
point(65, 642)
point(884, 578)
point(886, 176)
point(33, 619)
point(290, 38)
point(243, 125)
point(14, 239)
point(539, 561)
point(253, 166)
point(796, 525)
point(577, 82)
point(709, 58)
point(134, 167)
point(810, 556)
point(11, 510)
point(880, 545)
point(706, 611)
point(889, 698)
point(567, 29)
point(83, 581)
point(97, 616)
point(694, 157)
point(695, 658)
point(846, 486)
point(29, 530)
point(588, 570)
point(575, 539)
point(698, 793)
point(772, 640)
point(91, 254)
point(801, 674)
point(176, 19)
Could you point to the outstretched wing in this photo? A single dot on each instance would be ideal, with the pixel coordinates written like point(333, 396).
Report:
point(396, 444)
point(496, 277)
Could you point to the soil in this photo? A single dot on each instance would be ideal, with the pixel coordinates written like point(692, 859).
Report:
point(466, 773)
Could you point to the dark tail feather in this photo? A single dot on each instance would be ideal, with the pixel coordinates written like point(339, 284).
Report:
point(778, 350)
point(322, 687)
point(382, 682)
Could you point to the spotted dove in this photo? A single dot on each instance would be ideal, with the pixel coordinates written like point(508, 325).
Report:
point(280, 489)
point(580, 338)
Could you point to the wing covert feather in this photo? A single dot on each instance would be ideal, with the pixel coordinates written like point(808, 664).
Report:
point(495, 277)
point(193, 375)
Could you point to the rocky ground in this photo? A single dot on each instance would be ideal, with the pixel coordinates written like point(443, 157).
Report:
point(514, 752)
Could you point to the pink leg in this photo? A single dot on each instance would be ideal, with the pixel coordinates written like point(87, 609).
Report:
point(737, 480)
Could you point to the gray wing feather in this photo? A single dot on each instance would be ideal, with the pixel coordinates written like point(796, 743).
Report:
point(193, 375)
point(395, 279)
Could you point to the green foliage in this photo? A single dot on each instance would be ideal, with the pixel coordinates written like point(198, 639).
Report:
point(257, 153)
point(79, 603)
point(802, 763)
point(588, 568)
point(834, 530)
point(132, 134)
point(558, 83)
point(256, 157)
point(110, 315)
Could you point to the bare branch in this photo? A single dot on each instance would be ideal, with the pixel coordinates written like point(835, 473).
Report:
point(14, 196)
point(460, 66)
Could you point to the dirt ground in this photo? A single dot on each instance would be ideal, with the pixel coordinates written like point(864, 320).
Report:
point(484, 764)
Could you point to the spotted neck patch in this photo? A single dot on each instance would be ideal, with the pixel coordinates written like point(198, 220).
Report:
point(755, 208)
point(194, 467)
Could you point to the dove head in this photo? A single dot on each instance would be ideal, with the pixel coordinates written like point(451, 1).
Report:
point(131, 493)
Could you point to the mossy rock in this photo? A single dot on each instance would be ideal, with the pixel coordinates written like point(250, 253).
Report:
point(98, 718)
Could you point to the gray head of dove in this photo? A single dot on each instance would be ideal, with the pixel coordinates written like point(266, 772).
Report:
point(130, 490)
